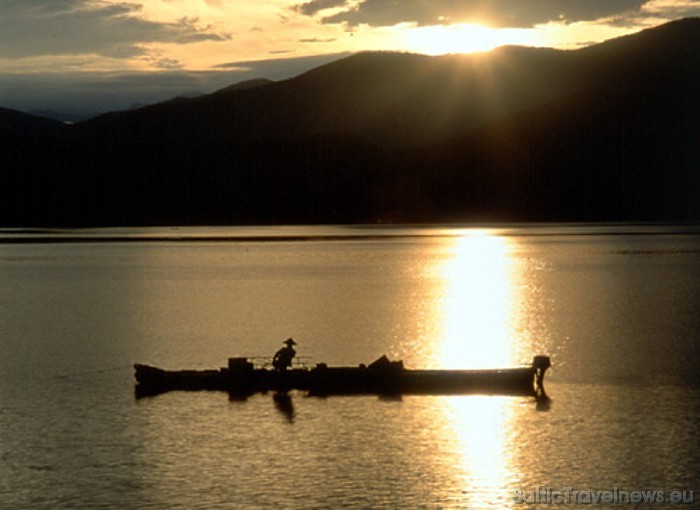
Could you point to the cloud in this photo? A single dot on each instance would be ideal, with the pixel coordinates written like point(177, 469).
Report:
point(30, 28)
point(168, 63)
point(317, 40)
point(280, 68)
point(671, 9)
point(314, 6)
point(496, 13)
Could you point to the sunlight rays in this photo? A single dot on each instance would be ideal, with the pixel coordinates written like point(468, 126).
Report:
point(464, 38)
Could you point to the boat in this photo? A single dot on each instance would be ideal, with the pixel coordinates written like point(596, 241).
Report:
point(241, 378)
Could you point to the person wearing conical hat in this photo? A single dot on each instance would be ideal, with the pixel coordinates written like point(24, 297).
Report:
point(283, 358)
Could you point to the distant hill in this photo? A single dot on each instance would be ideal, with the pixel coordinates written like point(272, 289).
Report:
point(18, 124)
point(244, 85)
point(604, 133)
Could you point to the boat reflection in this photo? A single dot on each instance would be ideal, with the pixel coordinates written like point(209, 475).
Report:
point(283, 403)
point(479, 314)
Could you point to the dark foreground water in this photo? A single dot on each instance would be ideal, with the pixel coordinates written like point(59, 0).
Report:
point(617, 309)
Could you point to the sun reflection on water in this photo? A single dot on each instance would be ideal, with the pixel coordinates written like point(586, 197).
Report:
point(478, 309)
point(479, 433)
point(479, 322)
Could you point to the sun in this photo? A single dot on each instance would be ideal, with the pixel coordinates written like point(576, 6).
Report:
point(463, 38)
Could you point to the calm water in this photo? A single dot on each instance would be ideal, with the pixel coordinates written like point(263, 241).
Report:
point(617, 309)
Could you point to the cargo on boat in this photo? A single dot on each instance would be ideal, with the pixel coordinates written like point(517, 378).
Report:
point(383, 377)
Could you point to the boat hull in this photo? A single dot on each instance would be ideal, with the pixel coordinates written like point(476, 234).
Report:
point(240, 378)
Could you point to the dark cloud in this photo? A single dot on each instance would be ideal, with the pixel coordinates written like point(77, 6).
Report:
point(317, 40)
point(497, 13)
point(31, 28)
point(314, 6)
point(675, 10)
point(280, 68)
point(168, 63)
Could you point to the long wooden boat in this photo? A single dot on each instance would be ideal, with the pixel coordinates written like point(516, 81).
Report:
point(382, 377)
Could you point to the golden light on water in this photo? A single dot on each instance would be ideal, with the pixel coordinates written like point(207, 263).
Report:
point(479, 311)
point(480, 427)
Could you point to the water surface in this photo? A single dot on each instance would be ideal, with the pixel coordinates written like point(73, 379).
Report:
point(617, 309)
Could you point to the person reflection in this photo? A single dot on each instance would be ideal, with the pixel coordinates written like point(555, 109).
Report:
point(283, 358)
point(284, 404)
point(543, 403)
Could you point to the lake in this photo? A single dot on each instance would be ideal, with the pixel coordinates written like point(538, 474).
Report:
point(617, 308)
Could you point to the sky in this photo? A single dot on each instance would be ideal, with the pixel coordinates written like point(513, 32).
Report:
point(80, 57)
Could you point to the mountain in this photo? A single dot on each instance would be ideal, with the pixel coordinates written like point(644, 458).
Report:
point(400, 100)
point(605, 133)
point(391, 99)
point(624, 147)
point(18, 124)
point(244, 85)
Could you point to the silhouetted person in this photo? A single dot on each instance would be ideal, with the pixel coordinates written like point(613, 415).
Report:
point(283, 358)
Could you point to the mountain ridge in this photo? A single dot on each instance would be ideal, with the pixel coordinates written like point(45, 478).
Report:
point(604, 133)
point(16, 123)
point(398, 100)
